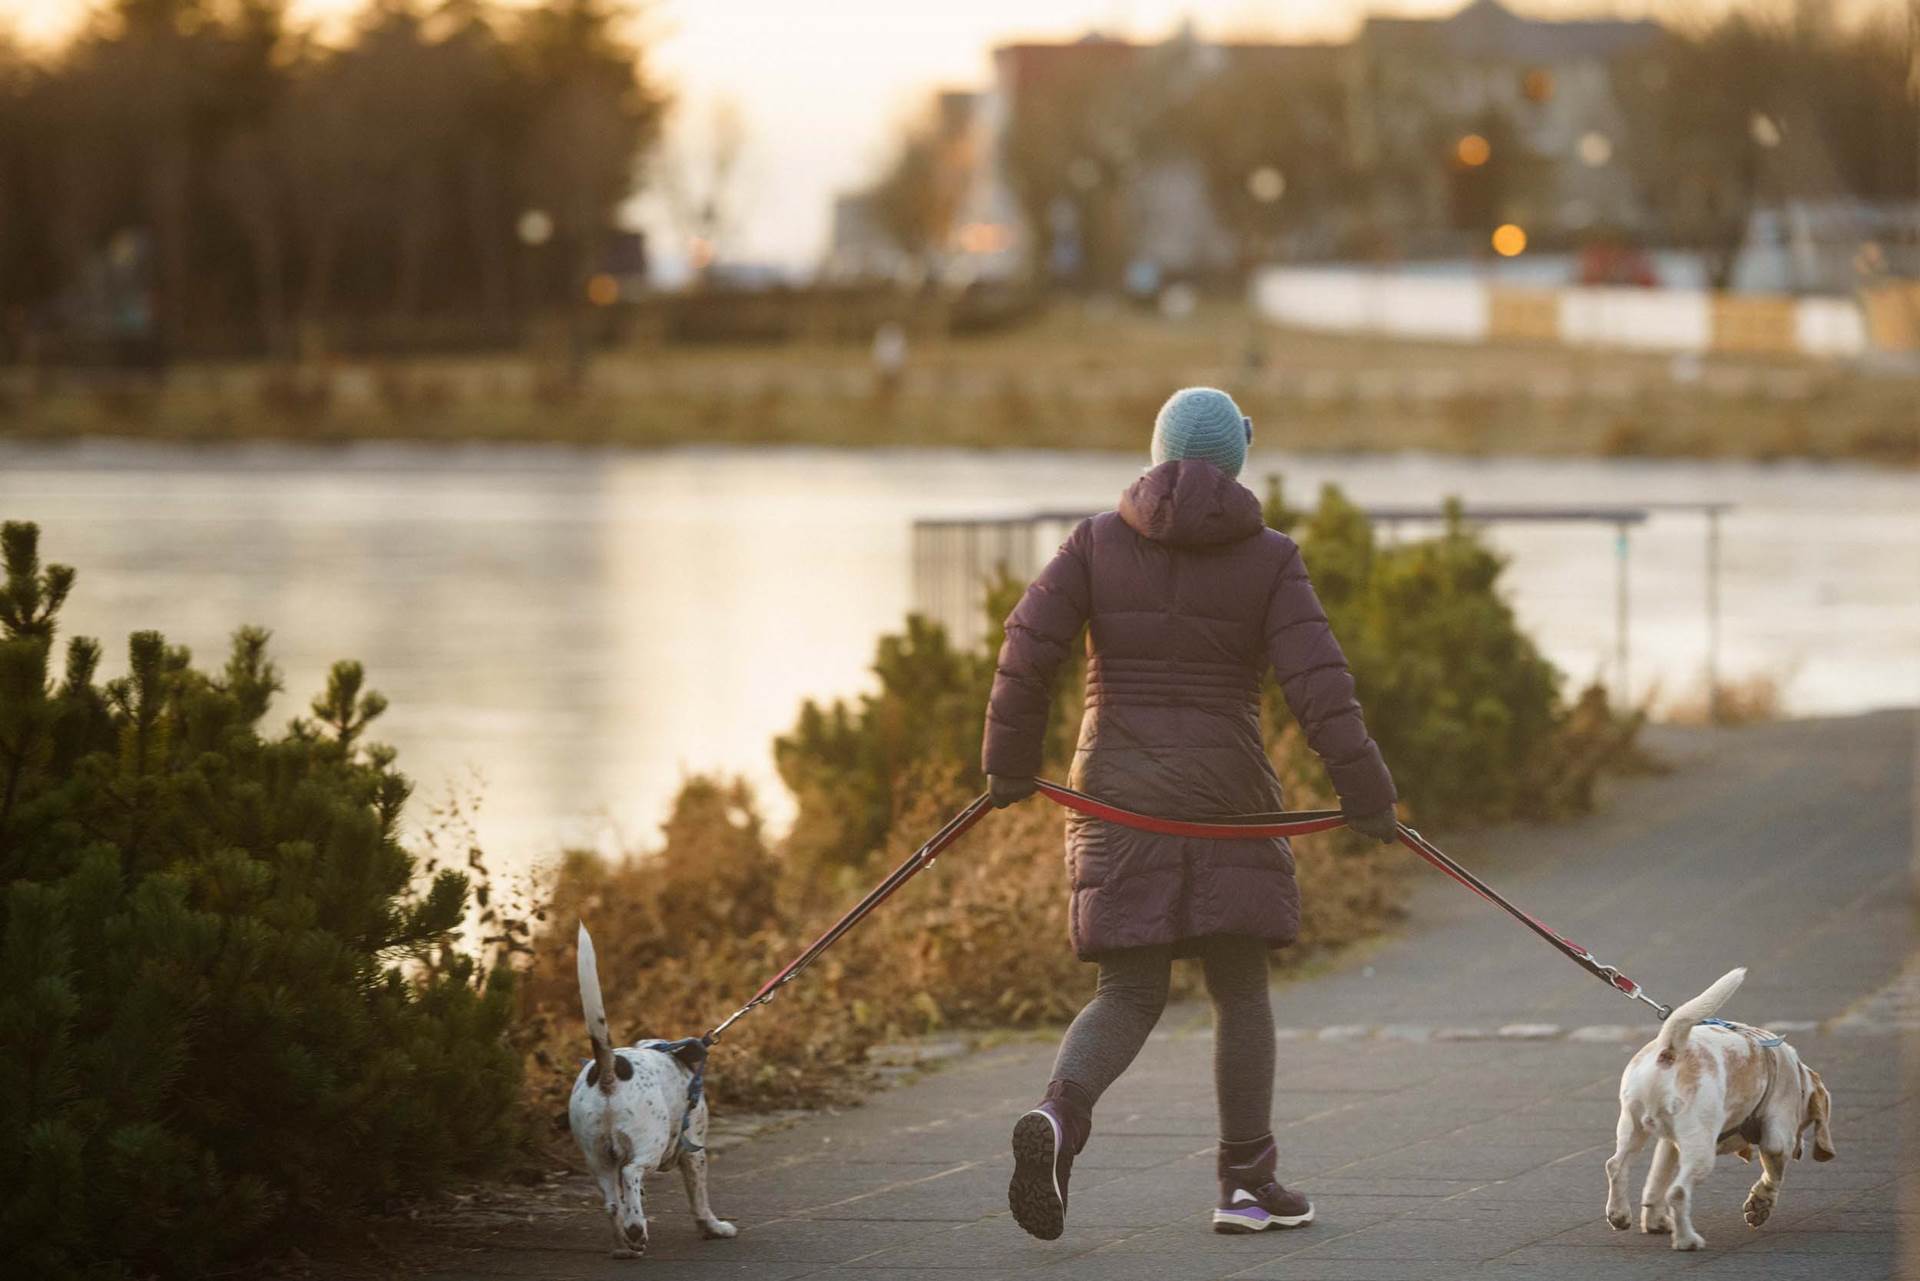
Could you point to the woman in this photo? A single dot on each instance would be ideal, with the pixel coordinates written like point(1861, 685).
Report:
point(1188, 598)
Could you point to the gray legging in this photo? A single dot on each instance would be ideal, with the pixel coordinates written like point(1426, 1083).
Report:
point(1133, 990)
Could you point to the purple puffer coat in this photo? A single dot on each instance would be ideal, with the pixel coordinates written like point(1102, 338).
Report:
point(1190, 597)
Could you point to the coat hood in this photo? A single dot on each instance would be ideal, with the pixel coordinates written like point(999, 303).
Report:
point(1191, 503)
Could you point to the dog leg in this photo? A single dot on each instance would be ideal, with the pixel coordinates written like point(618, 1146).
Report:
point(610, 1202)
point(1628, 1139)
point(1773, 1169)
point(621, 1250)
point(693, 1171)
point(1653, 1197)
point(1696, 1162)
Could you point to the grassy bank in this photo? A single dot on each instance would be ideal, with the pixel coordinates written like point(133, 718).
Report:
point(1078, 377)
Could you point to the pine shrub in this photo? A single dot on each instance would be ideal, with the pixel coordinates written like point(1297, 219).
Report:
point(1467, 711)
point(228, 1006)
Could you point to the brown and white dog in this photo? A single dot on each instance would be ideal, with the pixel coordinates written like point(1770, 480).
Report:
point(1698, 1091)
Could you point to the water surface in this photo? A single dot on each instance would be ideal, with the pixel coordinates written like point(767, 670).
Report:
point(569, 633)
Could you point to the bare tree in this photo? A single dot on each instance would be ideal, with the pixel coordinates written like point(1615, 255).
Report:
point(919, 197)
point(700, 182)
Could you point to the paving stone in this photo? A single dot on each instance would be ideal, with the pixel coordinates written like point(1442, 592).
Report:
point(1797, 1267)
point(1626, 1260)
point(1346, 1032)
point(1295, 1268)
point(989, 1243)
point(1529, 1031)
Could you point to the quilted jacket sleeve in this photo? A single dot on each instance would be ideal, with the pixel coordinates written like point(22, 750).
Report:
point(1040, 632)
point(1319, 689)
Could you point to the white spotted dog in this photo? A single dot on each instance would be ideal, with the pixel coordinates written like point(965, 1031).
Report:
point(1706, 1086)
point(636, 1110)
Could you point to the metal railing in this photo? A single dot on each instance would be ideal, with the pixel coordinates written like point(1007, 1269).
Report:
point(956, 558)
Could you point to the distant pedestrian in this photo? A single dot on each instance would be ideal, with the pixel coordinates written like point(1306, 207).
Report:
point(1188, 598)
point(889, 356)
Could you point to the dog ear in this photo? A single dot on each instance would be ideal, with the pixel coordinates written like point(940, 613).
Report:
point(691, 1054)
point(1819, 1113)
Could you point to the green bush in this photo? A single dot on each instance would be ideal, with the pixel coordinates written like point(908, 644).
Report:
point(1466, 710)
point(851, 766)
point(226, 1006)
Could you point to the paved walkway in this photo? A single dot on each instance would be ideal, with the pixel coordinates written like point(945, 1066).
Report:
point(1435, 1144)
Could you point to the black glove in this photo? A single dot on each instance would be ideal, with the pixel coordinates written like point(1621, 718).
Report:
point(1004, 791)
point(1383, 826)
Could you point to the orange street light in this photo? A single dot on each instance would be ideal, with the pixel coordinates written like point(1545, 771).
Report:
point(603, 290)
point(1472, 151)
point(1509, 240)
point(984, 238)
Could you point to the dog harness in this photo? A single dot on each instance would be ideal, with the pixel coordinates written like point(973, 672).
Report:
point(1767, 1042)
point(696, 1086)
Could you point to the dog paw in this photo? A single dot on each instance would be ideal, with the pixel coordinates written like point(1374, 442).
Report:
point(718, 1230)
point(621, 1252)
point(1693, 1242)
point(1653, 1223)
point(1619, 1220)
point(1757, 1210)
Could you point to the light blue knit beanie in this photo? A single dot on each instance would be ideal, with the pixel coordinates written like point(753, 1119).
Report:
point(1201, 422)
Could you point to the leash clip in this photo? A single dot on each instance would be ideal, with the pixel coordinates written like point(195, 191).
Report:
point(1660, 1011)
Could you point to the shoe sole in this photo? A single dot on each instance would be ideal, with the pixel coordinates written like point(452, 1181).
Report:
point(1033, 1194)
point(1229, 1222)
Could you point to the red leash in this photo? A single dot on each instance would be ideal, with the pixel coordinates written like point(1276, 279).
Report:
point(1283, 823)
point(1242, 826)
point(922, 858)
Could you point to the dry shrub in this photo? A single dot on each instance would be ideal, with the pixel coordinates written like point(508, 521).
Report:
point(1747, 700)
point(683, 937)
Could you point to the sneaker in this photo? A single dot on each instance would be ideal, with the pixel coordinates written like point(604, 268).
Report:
point(1042, 1160)
point(1251, 1198)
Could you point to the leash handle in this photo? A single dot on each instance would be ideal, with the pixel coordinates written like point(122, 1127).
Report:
point(1278, 824)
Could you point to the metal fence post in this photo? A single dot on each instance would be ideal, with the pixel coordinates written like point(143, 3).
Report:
point(1620, 611)
point(1713, 615)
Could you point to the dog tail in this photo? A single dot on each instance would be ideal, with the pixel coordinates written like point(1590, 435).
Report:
point(596, 1012)
point(1673, 1033)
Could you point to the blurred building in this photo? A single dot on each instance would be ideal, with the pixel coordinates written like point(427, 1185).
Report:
point(1526, 111)
point(886, 233)
point(1101, 160)
point(1159, 205)
point(859, 246)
